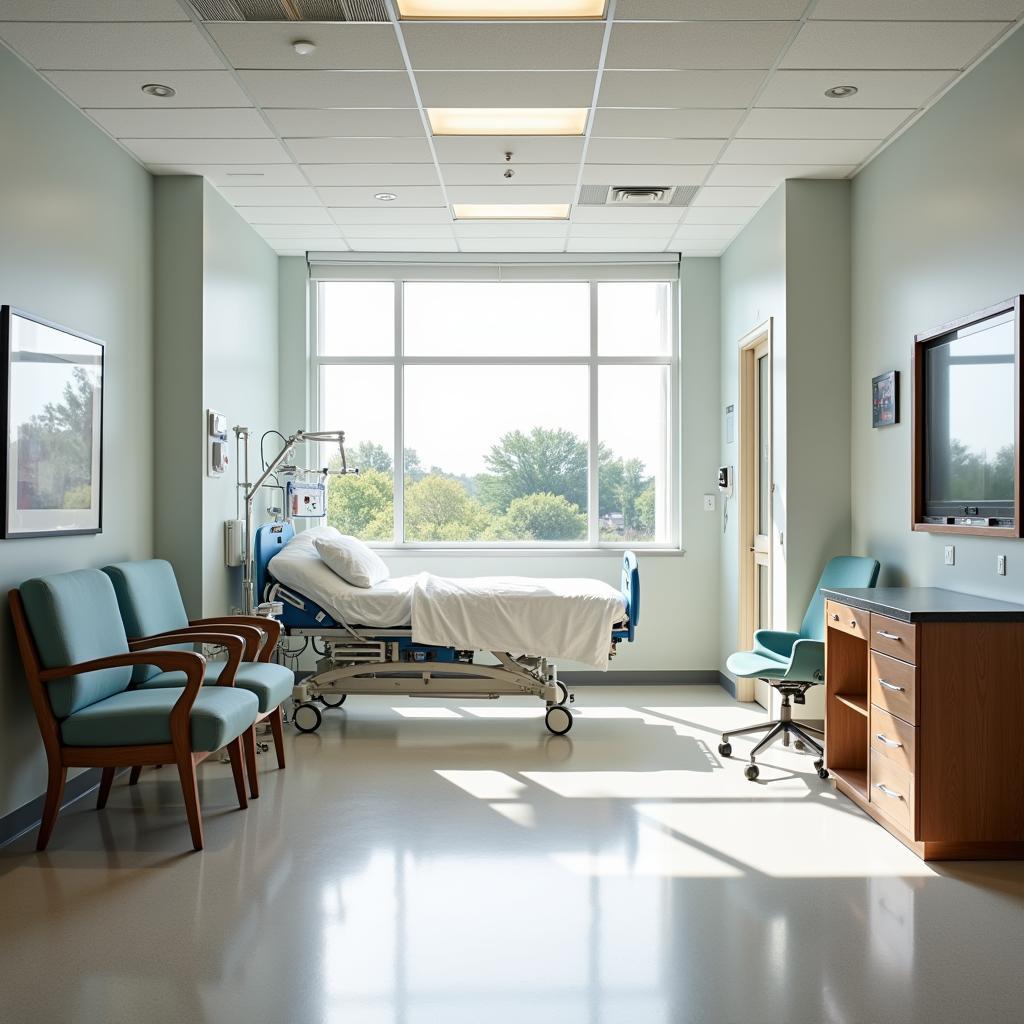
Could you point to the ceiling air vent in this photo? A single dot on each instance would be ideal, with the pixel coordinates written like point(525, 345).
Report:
point(637, 195)
point(291, 10)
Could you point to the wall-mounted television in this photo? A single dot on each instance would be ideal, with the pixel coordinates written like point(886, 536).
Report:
point(967, 386)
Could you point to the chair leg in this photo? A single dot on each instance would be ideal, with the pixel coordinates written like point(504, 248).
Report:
point(105, 783)
point(190, 791)
point(238, 771)
point(249, 746)
point(54, 794)
point(133, 776)
point(808, 741)
point(277, 728)
point(767, 740)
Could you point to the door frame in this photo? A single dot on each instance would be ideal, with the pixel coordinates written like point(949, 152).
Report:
point(760, 336)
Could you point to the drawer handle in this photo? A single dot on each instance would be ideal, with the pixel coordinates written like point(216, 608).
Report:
point(835, 618)
point(888, 792)
point(889, 636)
point(853, 623)
point(888, 742)
point(892, 686)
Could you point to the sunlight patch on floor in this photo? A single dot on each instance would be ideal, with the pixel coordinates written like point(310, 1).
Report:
point(485, 784)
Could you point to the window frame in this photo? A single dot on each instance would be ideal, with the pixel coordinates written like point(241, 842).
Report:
point(593, 276)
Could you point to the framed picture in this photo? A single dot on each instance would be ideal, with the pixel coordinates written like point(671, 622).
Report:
point(885, 399)
point(51, 402)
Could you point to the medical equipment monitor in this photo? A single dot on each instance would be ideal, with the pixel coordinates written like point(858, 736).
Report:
point(967, 399)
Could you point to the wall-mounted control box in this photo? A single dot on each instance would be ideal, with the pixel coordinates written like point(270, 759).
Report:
point(216, 443)
point(306, 501)
point(725, 475)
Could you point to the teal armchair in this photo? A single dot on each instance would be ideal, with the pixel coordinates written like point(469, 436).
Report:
point(793, 662)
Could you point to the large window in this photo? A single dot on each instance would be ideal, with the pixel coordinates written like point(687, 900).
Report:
point(501, 413)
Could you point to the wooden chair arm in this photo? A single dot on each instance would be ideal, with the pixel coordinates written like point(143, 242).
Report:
point(252, 637)
point(234, 644)
point(271, 629)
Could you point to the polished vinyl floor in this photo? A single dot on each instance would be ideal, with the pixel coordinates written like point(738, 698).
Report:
point(452, 863)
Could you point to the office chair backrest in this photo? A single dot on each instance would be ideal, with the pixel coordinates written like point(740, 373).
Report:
point(841, 571)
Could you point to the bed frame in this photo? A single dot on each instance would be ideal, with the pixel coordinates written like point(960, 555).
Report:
point(369, 660)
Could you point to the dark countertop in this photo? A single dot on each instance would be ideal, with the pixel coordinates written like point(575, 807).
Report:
point(927, 604)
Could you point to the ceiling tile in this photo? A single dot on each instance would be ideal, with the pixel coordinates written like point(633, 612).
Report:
point(93, 10)
point(679, 88)
point(662, 231)
point(523, 174)
point(875, 88)
point(719, 215)
point(403, 231)
point(654, 151)
point(348, 216)
point(208, 151)
point(339, 47)
point(798, 151)
point(270, 195)
point(644, 174)
point(772, 174)
point(293, 215)
point(271, 231)
point(630, 215)
point(498, 88)
point(511, 193)
point(511, 229)
point(889, 44)
point(695, 44)
point(110, 46)
point(506, 46)
point(236, 174)
point(124, 89)
point(367, 124)
point(538, 244)
point(357, 244)
point(300, 246)
point(620, 123)
point(363, 151)
point(918, 10)
point(492, 149)
point(370, 174)
point(821, 124)
point(329, 88)
point(722, 233)
point(177, 123)
point(735, 196)
point(613, 245)
point(702, 10)
point(412, 195)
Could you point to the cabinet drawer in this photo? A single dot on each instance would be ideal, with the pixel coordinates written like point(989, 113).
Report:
point(893, 738)
point(894, 687)
point(849, 620)
point(897, 639)
point(892, 791)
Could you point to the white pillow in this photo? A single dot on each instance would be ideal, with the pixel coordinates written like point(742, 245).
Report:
point(352, 560)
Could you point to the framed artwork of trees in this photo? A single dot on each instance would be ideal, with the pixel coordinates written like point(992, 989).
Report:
point(51, 400)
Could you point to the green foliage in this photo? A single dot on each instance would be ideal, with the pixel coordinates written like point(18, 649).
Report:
point(645, 513)
point(362, 505)
point(975, 477)
point(438, 508)
point(540, 517)
point(541, 462)
point(369, 455)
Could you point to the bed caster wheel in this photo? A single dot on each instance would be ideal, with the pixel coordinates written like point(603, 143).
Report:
point(822, 773)
point(798, 744)
point(334, 700)
point(752, 772)
point(563, 694)
point(307, 718)
point(725, 749)
point(558, 720)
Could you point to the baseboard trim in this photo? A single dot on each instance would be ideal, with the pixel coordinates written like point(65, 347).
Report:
point(727, 683)
point(28, 816)
point(654, 677)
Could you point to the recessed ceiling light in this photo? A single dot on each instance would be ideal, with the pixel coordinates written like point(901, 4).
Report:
point(164, 92)
point(385, 197)
point(303, 47)
point(508, 120)
point(501, 8)
point(511, 211)
point(840, 92)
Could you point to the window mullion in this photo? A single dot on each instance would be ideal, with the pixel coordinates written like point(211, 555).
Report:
point(398, 492)
point(593, 462)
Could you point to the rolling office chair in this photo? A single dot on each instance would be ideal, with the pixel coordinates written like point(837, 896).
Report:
point(794, 662)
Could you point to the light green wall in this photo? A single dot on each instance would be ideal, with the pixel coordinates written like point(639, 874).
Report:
point(293, 331)
point(680, 592)
point(938, 224)
point(75, 247)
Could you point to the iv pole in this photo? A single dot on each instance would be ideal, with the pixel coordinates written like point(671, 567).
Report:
point(251, 490)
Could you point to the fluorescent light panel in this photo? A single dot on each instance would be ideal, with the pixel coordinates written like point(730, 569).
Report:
point(501, 8)
point(511, 211)
point(508, 120)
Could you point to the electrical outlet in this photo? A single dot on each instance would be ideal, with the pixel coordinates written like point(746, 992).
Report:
point(1001, 565)
point(950, 555)
point(709, 503)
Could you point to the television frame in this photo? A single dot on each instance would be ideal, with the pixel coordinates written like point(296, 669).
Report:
point(966, 524)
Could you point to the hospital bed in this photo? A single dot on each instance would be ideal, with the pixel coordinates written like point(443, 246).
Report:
point(358, 659)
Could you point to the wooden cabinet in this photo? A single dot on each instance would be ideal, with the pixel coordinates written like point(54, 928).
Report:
point(924, 712)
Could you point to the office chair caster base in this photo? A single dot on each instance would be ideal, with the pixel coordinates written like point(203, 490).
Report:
point(819, 764)
point(822, 773)
point(558, 720)
point(334, 700)
point(752, 772)
point(725, 749)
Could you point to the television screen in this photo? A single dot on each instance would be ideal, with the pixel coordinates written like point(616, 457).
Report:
point(969, 420)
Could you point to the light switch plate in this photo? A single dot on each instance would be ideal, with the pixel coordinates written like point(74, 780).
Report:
point(1001, 565)
point(950, 555)
point(709, 503)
